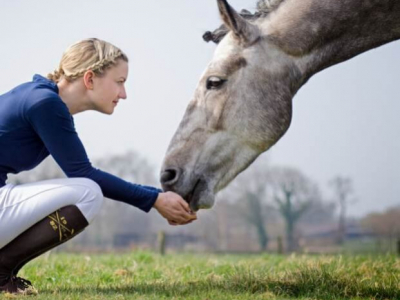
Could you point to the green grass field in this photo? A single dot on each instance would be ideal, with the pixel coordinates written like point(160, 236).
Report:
point(144, 275)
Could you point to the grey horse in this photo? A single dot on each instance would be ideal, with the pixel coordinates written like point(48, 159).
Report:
point(243, 102)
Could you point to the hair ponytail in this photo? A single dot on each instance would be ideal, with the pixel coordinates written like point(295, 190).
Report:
point(55, 76)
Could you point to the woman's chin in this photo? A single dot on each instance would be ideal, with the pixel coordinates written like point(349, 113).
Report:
point(109, 111)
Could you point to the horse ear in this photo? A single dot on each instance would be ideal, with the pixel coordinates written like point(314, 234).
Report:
point(242, 29)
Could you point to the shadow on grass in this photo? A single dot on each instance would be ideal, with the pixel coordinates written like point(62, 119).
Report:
point(324, 289)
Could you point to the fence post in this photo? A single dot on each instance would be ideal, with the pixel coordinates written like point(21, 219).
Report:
point(161, 242)
point(280, 245)
point(398, 246)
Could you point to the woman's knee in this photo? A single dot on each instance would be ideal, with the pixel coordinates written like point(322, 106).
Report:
point(91, 200)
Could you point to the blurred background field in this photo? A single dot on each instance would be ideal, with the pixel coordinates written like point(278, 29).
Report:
point(145, 275)
point(267, 209)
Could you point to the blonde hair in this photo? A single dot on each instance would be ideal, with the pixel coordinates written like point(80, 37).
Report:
point(90, 54)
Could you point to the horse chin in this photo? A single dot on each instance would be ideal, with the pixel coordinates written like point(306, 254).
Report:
point(201, 197)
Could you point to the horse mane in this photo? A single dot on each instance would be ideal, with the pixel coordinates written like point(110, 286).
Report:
point(267, 6)
point(264, 7)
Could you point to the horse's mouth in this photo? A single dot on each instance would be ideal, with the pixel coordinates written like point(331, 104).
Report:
point(199, 197)
point(193, 197)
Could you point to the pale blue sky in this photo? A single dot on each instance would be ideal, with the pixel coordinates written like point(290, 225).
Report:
point(346, 119)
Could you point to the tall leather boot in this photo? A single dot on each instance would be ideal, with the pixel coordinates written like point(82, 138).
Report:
point(52, 231)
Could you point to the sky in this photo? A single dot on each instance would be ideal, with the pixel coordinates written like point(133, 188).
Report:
point(346, 119)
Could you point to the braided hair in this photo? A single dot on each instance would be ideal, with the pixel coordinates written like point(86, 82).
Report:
point(89, 54)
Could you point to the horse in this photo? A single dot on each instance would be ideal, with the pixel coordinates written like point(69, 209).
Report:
point(242, 104)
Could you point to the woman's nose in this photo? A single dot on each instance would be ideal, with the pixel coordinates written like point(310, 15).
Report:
point(122, 93)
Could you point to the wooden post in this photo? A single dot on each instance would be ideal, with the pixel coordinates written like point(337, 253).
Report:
point(398, 246)
point(280, 245)
point(161, 242)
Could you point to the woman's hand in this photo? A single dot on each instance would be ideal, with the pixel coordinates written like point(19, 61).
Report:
point(173, 208)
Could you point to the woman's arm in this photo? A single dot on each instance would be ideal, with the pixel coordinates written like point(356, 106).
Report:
point(54, 125)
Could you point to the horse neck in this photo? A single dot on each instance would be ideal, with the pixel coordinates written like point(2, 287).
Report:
point(321, 33)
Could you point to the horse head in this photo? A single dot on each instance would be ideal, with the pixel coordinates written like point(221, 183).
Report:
point(241, 107)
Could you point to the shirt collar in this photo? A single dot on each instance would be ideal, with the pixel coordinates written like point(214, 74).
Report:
point(41, 79)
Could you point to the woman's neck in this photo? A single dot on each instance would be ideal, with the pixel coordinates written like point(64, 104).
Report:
point(74, 95)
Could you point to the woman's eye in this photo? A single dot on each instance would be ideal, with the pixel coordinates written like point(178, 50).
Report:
point(214, 82)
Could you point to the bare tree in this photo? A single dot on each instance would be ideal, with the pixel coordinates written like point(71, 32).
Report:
point(294, 194)
point(256, 217)
point(249, 193)
point(343, 190)
point(385, 226)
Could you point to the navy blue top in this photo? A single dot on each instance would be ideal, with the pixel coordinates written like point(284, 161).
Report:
point(35, 122)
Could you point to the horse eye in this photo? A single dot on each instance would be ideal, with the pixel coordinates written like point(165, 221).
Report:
point(214, 82)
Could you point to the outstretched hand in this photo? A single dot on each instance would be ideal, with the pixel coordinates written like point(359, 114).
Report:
point(173, 208)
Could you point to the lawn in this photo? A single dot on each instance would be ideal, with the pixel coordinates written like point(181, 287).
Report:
point(145, 276)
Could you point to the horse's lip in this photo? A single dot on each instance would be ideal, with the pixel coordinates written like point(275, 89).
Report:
point(193, 197)
point(189, 196)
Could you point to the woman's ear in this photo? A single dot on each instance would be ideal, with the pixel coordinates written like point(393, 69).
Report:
point(88, 79)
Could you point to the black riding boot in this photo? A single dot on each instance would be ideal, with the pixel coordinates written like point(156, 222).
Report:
point(48, 233)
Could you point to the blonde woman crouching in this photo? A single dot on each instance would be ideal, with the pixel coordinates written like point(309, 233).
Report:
point(36, 121)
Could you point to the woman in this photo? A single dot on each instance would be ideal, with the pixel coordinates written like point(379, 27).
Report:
point(35, 121)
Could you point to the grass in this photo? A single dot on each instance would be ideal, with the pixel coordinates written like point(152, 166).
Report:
point(145, 276)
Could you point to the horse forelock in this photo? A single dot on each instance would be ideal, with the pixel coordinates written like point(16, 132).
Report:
point(263, 8)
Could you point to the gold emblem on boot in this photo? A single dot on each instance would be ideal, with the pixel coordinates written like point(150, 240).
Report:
point(60, 224)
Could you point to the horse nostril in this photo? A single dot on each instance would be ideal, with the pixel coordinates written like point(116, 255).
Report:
point(169, 176)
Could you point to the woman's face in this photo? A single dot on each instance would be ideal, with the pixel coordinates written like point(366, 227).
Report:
point(109, 88)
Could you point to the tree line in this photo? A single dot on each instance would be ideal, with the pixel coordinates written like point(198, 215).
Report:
point(265, 204)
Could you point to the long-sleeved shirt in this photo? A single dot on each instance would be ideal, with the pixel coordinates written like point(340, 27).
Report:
point(35, 122)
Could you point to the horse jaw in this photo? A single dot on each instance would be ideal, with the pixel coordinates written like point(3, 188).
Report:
point(207, 162)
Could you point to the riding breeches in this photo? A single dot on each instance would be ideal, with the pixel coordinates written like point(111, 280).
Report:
point(22, 206)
